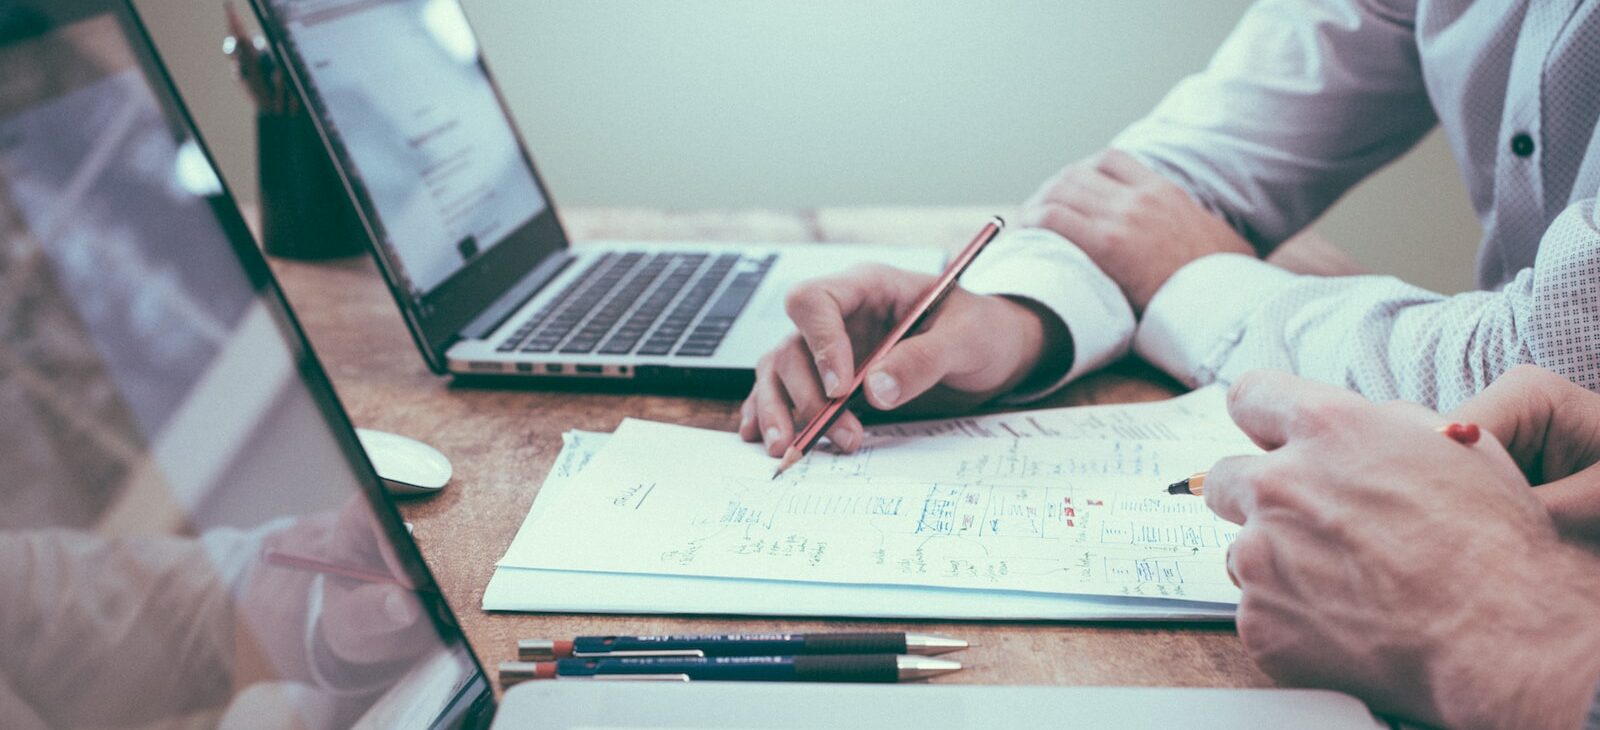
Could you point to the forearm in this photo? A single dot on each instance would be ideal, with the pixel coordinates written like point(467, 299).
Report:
point(81, 610)
point(1535, 663)
point(1279, 124)
point(1375, 335)
point(1221, 316)
point(1081, 307)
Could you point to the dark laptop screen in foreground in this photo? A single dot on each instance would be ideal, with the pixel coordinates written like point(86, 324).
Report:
point(174, 458)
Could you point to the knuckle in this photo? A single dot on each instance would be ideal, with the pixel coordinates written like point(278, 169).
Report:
point(873, 271)
point(1526, 373)
point(1033, 215)
point(1315, 417)
point(1272, 483)
point(801, 299)
point(1055, 217)
point(1146, 197)
point(1251, 558)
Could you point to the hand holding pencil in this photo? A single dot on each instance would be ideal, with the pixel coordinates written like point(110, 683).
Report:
point(970, 349)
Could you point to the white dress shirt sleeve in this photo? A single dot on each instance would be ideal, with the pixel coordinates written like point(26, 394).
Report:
point(1303, 100)
point(1222, 315)
point(1042, 267)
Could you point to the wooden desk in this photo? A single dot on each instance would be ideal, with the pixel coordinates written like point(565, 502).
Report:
point(503, 442)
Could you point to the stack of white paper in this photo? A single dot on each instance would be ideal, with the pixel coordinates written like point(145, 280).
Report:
point(1052, 514)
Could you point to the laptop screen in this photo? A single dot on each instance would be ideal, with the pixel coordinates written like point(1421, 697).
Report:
point(191, 535)
point(418, 130)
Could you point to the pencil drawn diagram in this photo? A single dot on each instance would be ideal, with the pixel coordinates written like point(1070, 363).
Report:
point(1033, 514)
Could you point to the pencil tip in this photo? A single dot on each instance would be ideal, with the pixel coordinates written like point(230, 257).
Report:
point(789, 458)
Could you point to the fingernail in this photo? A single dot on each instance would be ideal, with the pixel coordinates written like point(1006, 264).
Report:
point(774, 435)
point(848, 440)
point(830, 384)
point(744, 421)
point(884, 388)
point(397, 606)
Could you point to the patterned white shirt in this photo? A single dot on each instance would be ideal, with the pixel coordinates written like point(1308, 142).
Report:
point(1302, 101)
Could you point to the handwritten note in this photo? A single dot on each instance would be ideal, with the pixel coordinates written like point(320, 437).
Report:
point(1197, 416)
point(1052, 515)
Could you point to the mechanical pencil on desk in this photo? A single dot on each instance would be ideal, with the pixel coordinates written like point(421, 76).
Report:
point(812, 433)
point(703, 645)
point(1465, 434)
point(814, 668)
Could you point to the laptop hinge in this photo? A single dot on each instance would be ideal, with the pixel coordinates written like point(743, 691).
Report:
point(502, 308)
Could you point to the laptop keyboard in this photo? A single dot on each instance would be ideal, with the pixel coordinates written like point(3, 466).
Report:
point(646, 304)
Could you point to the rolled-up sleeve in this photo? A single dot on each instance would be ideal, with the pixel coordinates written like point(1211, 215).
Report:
point(1303, 100)
point(1222, 315)
point(1042, 267)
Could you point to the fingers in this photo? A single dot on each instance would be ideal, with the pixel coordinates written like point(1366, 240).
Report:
point(1229, 488)
point(772, 409)
point(786, 394)
point(1272, 407)
point(1527, 408)
point(1081, 187)
point(374, 623)
point(819, 308)
point(1072, 224)
point(800, 384)
point(1123, 168)
point(913, 366)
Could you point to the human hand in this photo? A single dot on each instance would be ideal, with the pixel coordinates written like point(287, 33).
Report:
point(1380, 558)
point(1551, 426)
point(1136, 225)
point(362, 627)
point(972, 348)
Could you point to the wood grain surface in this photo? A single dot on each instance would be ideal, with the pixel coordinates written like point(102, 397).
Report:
point(503, 442)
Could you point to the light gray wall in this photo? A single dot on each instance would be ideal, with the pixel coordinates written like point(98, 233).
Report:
point(790, 103)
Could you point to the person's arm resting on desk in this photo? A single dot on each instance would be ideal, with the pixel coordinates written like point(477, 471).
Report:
point(1301, 102)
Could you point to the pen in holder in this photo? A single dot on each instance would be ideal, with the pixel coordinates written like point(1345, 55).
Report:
point(305, 212)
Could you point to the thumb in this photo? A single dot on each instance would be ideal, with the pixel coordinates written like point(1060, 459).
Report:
point(1574, 504)
point(374, 623)
point(911, 368)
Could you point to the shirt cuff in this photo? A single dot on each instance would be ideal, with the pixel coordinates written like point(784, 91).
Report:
point(1197, 317)
point(1043, 267)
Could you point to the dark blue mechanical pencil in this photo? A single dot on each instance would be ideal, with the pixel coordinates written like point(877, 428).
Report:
point(809, 668)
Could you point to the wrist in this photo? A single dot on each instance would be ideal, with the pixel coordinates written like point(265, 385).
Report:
point(1045, 350)
point(1533, 663)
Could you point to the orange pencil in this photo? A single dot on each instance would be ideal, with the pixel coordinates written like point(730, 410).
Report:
point(812, 433)
point(1465, 434)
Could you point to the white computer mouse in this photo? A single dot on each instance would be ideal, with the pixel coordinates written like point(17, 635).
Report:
point(407, 466)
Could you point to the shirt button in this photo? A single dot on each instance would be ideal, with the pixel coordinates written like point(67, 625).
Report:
point(1522, 144)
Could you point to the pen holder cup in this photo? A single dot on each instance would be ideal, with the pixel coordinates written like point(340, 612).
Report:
point(305, 212)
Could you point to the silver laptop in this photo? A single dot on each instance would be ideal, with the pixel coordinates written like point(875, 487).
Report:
point(468, 237)
point(590, 705)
